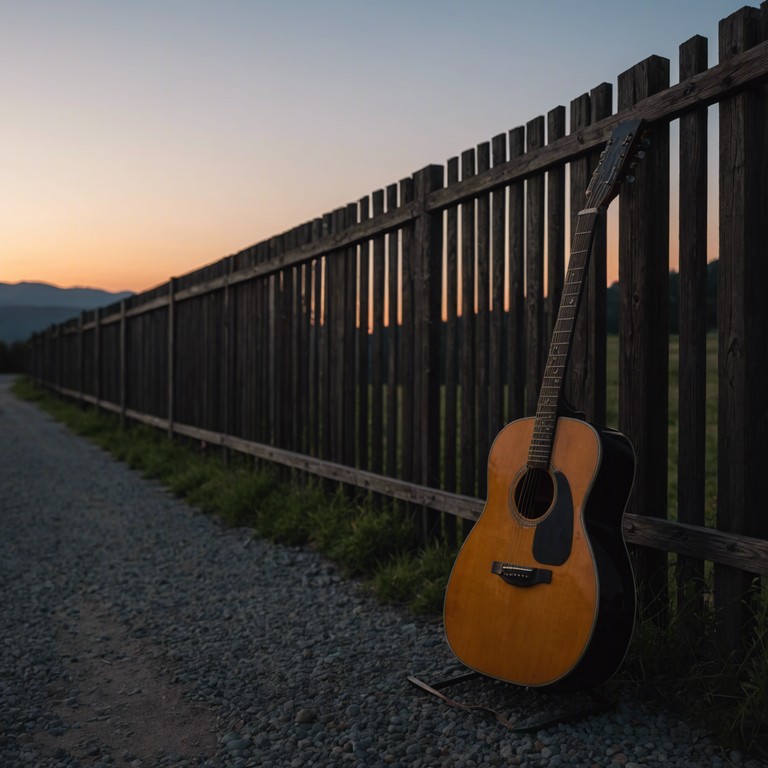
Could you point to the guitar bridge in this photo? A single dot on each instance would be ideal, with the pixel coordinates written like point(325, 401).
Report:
point(521, 575)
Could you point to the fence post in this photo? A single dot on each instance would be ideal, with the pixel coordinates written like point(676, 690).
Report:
point(742, 368)
point(468, 401)
point(534, 271)
point(171, 353)
point(644, 327)
point(585, 384)
point(80, 358)
point(428, 285)
point(97, 356)
point(692, 383)
point(516, 278)
point(123, 365)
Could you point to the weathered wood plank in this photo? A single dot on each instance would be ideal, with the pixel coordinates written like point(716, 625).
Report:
point(451, 340)
point(407, 346)
point(692, 382)
point(337, 280)
point(350, 299)
point(327, 277)
point(498, 242)
point(555, 224)
point(534, 271)
point(393, 296)
point(585, 388)
point(644, 326)
point(580, 173)
point(428, 279)
point(363, 377)
point(516, 327)
point(482, 320)
point(468, 441)
point(376, 340)
point(742, 324)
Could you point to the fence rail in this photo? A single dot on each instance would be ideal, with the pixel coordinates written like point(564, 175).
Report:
point(384, 344)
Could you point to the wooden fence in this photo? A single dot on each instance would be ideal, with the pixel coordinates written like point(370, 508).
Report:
point(384, 344)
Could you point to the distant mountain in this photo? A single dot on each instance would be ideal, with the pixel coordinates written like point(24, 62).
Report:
point(26, 308)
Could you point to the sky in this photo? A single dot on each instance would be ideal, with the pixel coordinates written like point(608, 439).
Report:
point(142, 139)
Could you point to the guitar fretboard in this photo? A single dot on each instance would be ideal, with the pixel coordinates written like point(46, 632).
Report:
point(540, 451)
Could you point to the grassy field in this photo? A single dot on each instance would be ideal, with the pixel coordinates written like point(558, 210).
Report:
point(612, 418)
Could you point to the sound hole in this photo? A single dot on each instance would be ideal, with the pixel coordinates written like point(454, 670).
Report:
point(534, 493)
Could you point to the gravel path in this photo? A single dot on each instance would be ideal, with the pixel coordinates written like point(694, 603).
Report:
point(136, 631)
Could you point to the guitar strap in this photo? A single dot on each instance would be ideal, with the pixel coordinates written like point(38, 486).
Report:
point(601, 703)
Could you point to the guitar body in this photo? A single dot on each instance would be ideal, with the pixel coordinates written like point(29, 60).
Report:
point(542, 591)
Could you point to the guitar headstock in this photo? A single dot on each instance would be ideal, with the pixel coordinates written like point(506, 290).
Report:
point(622, 152)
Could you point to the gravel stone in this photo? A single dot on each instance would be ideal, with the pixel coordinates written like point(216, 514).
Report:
point(287, 663)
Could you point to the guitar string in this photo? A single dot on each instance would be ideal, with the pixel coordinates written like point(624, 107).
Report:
point(526, 493)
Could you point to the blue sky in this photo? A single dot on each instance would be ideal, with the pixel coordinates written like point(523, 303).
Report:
point(144, 139)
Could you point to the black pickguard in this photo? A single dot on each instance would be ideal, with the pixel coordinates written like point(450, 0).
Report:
point(554, 534)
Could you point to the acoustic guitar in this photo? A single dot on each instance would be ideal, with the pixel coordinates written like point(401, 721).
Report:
point(542, 591)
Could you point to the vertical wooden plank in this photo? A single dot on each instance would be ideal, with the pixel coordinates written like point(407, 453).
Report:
point(594, 302)
point(315, 357)
point(226, 360)
point(482, 321)
point(580, 173)
point(263, 365)
point(534, 263)
point(742, 321)
point(297, 358)
point(451, 345)
point(498, 247)
point(468, 441)
point(692, 384)
point(96, 355)
point(363, 368)
point(555, 224)
point(644, 323)
point(516, 278)
point(350, 299)
point(284, 338)
point(326, 358)
point(80, 351)
point(336, 287)
point(123, 366)
point(377, 395)
point(428, 260)
point(305, 345)
point(407, 346)
point(171, 363)
point(392, 340)
point(585, 384)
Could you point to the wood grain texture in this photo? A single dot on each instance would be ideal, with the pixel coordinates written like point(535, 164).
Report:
point(692, 384)
point(533, 635)
point(742, 324)
point(644, 324)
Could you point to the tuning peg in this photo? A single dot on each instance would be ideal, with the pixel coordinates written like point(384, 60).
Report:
point(629, 179)
point(645, 143)
point(640, 155)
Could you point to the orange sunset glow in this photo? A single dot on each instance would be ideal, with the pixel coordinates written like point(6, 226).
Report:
point(143, 140)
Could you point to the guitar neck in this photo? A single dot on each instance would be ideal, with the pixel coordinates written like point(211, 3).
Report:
point(562, 336)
